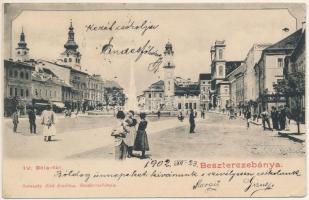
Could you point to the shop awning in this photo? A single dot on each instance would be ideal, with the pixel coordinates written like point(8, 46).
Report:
point(59, 104)
point(42, 104)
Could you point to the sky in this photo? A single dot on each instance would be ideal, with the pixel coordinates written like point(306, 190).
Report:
point(191, 32)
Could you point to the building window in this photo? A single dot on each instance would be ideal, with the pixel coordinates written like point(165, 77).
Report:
point(15, 74)
point(18, 52)
point(27, 76)
point(27, 93)
point(194, 106)
point(149, 95)
point(220, 54)
point(186, 105)
point(11, 73)
point(16, 92)
point(221, 70)
point(179, 105)
point(22, 92)
point(21, 75)
point(36, 92)
point(65, 60)
point(11, 91)
point(55, 94)
point(40, 92)
point(160, 95)
point(25, 53)
point(46, 93)
point(70, 59)
point(280, 62)
point(190, 105)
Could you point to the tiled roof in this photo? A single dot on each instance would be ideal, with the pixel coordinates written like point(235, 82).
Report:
point(111, 84)
point(237, 71)
point(289, 42)
point(300, 45)
point(17, 64)
point(231, 66)
point(190, 90)
point(205, 76)
point(156, 87)
point(44, 77)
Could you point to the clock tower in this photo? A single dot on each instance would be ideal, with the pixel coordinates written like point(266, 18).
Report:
point(71, 56)
point(169, 84)
point(22, 51)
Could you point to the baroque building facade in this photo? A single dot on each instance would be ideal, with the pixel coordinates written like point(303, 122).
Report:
point(63, 83)
point(220, 69)
point(172, 93)
point(269, 70)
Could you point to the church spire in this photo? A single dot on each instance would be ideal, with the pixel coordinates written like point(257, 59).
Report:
point(71, 44)
point(22, 41)
point(71, 55)
point(22, 50)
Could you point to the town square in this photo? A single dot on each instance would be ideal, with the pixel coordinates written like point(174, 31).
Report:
point(154, 100)
point(92, 140)
point(62, 107)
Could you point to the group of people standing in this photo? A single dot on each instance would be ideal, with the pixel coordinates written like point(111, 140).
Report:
point(47, 121)
point(278, 118)
point(127, 138)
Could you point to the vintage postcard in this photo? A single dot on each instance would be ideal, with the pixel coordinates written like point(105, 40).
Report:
point(154, 100)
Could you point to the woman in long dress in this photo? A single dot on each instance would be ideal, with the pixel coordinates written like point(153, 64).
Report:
point(130, 127)
point(120, 133)
point(48, 122)
point(141, 141)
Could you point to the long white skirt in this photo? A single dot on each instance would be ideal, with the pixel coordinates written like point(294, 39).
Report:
point(49, 131)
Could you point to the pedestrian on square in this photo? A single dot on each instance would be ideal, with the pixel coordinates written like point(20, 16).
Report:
point(203, 114)
point(274, 117)
point(282, 117)
point(159, 114)
point(180, 116)
point(119, 133)
point(48, 122)
point(192, 121)
point(232, 113)
point(130, 126)
point(32, 118)
point(15, 120)
point(248, 117)
point(141, 141)
point(288, 117)
point(265, 119)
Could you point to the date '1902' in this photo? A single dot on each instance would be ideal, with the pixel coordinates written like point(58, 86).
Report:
point(168, 163)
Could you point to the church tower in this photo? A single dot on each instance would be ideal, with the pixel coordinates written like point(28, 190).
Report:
point(71, 55)
point(219, 59)
point(169, 84)
point(22, 51)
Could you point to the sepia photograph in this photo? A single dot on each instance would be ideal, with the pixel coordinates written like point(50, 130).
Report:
point(193, 100)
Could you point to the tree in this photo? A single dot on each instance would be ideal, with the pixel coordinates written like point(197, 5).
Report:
point(293, 88)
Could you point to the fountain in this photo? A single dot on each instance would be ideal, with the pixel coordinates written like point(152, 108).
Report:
point(131, 104)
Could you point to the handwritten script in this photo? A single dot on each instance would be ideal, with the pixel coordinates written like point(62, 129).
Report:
point(131, 25)
point(208, 180)
point(147, 48)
